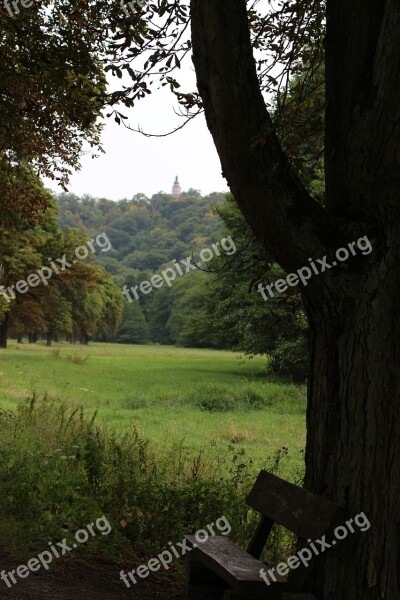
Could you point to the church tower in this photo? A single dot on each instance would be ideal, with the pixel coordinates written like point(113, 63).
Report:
point(176, 188)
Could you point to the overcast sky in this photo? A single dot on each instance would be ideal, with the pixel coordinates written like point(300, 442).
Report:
point(134, 163)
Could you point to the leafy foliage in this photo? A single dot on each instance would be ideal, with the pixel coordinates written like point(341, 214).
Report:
point(80, 301)
point(217, 309)
point(151, 46)
point(145, 233)
point(52, 83)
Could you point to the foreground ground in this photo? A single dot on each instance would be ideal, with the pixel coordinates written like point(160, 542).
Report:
point(77, 581)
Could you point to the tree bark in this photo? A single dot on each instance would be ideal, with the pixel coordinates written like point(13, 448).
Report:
point(49, 338)
point(353, 416)
point(4, 332)
point(353, 424)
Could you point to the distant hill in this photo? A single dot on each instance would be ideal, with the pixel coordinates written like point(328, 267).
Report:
point(145, 233)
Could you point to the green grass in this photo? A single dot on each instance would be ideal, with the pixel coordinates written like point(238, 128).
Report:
point(200, 399)
point(212, 419)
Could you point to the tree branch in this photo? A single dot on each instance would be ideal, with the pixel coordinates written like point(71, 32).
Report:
point(291, 226)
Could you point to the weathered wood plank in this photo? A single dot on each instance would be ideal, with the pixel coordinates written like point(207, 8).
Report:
point(234, 563)
point(300, 511)
point(235, 566)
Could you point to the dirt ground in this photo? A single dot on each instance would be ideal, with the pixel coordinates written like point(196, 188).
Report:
point(78, 581)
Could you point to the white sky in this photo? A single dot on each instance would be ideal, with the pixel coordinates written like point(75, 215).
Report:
point(134, 163)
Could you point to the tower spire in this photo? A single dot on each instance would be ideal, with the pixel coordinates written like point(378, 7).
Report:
point(176, 188)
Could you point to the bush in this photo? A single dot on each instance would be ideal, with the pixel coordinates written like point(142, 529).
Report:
point(290, 359)
point(245, 397)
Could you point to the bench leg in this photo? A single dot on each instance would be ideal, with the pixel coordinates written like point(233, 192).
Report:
point(203, 584)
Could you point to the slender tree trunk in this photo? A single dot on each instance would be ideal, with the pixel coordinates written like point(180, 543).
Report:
point(19, 339)
point(49, 338)
point(4, 331)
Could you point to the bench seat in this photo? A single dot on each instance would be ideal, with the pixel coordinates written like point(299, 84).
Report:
point(234, 566)
point(218, 570)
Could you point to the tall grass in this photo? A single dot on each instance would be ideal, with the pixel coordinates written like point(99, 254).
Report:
point(60, 470)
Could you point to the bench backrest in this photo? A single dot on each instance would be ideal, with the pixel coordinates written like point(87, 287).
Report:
point(306, 514)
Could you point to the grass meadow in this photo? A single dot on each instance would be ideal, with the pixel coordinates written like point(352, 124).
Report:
point(202, 399)
point(177, 438)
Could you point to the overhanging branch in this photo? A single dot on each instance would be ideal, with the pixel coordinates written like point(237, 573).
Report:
point(290, 224)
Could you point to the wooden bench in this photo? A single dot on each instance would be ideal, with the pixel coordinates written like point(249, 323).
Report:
point(219, 570)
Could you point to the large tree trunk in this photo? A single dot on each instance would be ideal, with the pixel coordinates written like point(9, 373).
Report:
point(353, 418)
point(353, 425)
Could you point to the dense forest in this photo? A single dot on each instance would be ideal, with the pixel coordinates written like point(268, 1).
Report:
point(206, 308)
point(50, 291)
point(145, 233)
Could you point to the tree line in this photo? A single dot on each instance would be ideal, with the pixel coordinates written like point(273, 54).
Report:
point(77, 303)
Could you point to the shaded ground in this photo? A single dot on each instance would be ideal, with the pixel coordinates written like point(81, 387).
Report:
point(77, 581)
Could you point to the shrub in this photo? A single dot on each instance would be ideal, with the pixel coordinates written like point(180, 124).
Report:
point(245, 397)
point(290, 359)
point(76, 359)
